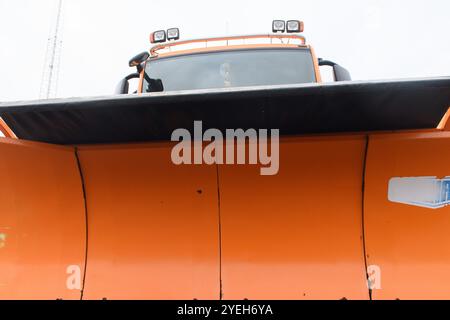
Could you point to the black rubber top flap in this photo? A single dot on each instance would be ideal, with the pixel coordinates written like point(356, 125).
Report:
point(294, 109)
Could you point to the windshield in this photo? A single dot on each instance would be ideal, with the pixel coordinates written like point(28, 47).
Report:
point(226, 69)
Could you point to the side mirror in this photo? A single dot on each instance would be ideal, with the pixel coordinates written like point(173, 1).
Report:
point(155, 85)
point(138, 59)
point(339, 72)
point(124, 85)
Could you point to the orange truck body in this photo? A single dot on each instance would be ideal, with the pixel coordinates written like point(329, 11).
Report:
point(138, 226)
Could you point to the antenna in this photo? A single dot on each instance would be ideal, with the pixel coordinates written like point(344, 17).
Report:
point(49, 83)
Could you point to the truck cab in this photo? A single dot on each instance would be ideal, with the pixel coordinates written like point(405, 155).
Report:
point(228, 62)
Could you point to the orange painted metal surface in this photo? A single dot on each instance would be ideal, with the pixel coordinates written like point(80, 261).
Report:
point(161, 231)
point(297, 234)
point(153, 226)
point(228, 48)
point(42, 221)
point(409, 244)
point(316, 65)
point(154, 50)
point(6, 130)
point(445, 124)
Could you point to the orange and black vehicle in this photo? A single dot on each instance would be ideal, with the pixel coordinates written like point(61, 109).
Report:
point(94, 205)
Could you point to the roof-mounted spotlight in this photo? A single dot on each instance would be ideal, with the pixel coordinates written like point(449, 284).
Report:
point(294, 26)
point(278, 26)
point(158, 36)
point(173, 34)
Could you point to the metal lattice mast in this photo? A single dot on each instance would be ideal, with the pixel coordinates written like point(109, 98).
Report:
point(50, 74)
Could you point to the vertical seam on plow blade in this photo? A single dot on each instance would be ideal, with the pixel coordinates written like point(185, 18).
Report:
point(363, 189)
point(80, 170)
point(220, 233)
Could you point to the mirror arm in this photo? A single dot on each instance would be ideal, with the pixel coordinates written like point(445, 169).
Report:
point(132, 76)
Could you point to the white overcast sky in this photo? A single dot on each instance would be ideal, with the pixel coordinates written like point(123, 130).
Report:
point(374, 39)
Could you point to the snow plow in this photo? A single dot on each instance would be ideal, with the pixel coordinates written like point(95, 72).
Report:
point(162, 194)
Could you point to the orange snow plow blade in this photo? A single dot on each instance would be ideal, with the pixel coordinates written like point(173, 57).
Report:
point(95, 208)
